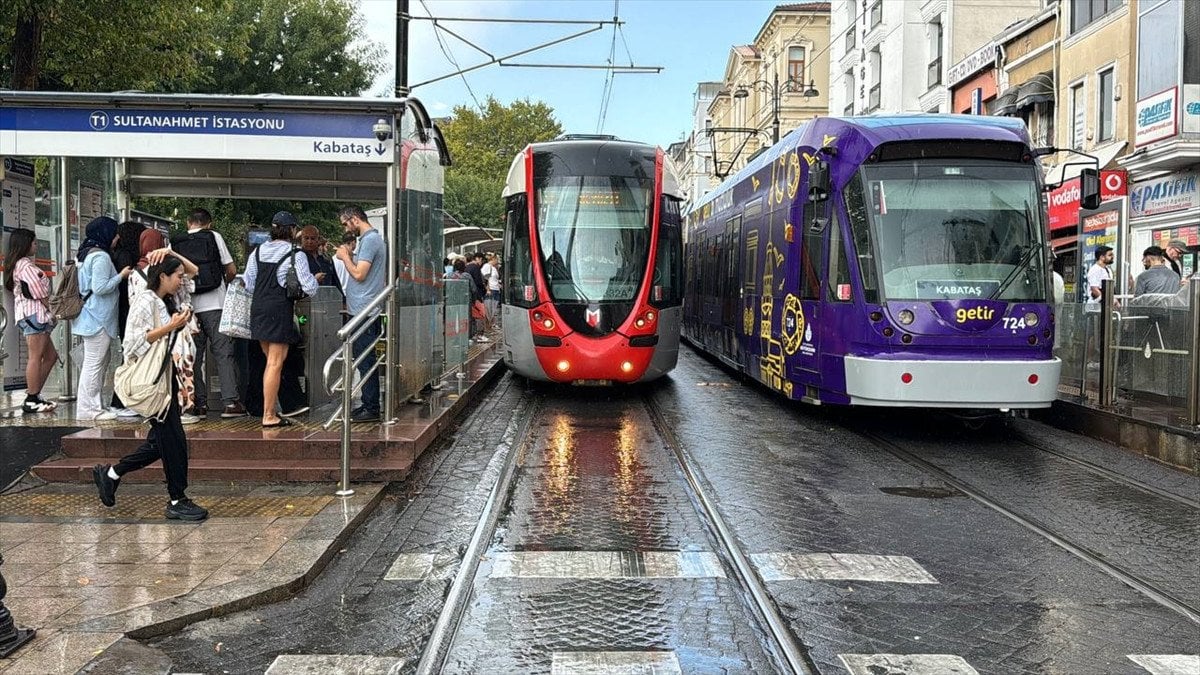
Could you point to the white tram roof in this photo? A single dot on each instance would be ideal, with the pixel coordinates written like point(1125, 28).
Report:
point(515, 182)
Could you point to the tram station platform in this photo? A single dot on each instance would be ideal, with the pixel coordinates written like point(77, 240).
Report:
point(241, 450)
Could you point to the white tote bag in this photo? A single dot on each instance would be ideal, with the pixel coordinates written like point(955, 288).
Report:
point(235, 315)
point(144, 383)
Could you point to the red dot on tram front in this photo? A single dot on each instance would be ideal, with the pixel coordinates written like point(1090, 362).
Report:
point(906, 378)
point(1033, 378)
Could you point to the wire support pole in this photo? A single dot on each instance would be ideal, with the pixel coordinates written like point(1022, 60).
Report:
point(402, 18)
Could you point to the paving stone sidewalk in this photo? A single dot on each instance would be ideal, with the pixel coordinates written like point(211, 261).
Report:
point(84, 576)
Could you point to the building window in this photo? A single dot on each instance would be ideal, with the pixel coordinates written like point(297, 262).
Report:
point(1078, 116)
point(1084, 12)
point(849, 110)
point(876, 14)
point(1106, 106)
point(1043, 123)
point(851, 38)
point(796, 65)
point(935, 55)
point(876, 78)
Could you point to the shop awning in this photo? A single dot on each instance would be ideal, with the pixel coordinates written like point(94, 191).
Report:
point(1005, 104)
point(1037, 89)
point(1059, 243)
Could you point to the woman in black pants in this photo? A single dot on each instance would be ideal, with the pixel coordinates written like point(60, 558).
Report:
point(152, 317)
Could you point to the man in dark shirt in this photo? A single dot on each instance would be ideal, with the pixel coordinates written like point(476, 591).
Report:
point(1175, 250)
point(1158, 278)
point(321, 266)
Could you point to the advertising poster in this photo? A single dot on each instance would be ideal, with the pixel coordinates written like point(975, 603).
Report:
point(1098, 228)
point(16, 210)
point(91, 204)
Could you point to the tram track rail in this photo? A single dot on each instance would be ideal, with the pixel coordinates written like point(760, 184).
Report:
point(1105, 472)
point(790, 656)
point(1129, 578)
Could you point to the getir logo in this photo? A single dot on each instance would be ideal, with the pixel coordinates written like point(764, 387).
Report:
point(963, 315)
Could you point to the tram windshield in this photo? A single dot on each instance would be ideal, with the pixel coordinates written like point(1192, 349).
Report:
point(594, 235)
point(952, 229)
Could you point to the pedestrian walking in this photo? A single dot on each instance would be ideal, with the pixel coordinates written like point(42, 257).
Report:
point(152, 250)
point(153, 317)
point(273, 313)
point(30, 288)
point(366, 272)
point(207, 249)
point(99, 285)
point(1158, 277)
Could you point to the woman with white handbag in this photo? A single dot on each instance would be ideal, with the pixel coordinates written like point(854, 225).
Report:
point(153, 322)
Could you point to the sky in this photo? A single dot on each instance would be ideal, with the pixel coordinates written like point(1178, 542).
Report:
point(690, 39)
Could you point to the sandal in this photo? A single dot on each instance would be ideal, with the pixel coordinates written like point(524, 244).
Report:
point(283, 422)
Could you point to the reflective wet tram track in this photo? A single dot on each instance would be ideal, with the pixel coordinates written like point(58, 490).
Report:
point(1180, 595)
point(456, 646)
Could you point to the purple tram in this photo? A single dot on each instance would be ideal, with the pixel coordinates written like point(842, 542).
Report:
point(881, 261)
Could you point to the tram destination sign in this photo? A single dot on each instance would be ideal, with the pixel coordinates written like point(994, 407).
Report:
point(192, 134)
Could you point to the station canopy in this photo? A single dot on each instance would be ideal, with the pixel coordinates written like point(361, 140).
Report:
point(247, 147)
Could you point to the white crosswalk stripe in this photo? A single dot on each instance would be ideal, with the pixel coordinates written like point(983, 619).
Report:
point(421, 567)
point(607, 565)
point(615, 663)
point(334, 664)
point(840, 566)
point(1168, 664)
point(906, 664)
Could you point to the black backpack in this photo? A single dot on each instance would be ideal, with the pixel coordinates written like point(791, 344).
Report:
point(201, 248)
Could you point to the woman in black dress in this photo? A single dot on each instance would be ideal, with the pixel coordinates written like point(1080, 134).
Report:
point(272, 314)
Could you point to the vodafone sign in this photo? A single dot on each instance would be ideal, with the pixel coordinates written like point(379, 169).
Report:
point(1064, 200)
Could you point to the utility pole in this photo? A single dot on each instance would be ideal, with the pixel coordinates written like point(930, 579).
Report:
point(402, 17)
point(775, 109)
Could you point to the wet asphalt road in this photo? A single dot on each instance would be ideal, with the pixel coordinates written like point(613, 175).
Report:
point(793, 484)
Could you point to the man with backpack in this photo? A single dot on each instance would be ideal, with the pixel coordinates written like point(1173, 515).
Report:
point(206, 248)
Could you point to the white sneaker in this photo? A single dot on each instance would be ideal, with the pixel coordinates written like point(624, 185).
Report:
point(482, 338)
point(188, 419)
point(105, 416)
point(125, 412)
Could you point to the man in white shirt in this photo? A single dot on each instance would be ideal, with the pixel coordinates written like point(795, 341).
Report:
point(1099, 271)
point(216, 263)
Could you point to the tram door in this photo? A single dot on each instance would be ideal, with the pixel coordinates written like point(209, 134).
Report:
point(731, 303)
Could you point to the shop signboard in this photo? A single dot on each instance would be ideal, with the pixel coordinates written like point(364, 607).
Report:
point(1156, 117)
point(1191, 108)
point(975, 62)
point(1063, 201)
point(1097, 228)
point(1174, 192)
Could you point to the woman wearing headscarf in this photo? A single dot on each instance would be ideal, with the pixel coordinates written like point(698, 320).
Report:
point(125, 254)
point(152, 250)
point(100, 286)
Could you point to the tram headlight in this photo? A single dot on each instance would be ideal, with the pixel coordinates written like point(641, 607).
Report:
point(650, 316)
point(564, 366)
point(548, 323)
point(906, 317)
point(1031, 319)
point(626, 367)
point(640, 323)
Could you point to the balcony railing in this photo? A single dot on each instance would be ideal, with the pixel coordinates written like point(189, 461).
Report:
point(935, 73)
point(873, 99)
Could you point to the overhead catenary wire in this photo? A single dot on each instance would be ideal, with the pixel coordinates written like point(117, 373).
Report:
point(450, 57)
point(606, 93)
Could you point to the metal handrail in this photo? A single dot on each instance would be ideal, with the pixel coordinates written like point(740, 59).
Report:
point(354, 328)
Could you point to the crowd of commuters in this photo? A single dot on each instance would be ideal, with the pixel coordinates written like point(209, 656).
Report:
point(482, 271)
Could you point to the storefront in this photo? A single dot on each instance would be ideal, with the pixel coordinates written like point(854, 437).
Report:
point(1166, 208)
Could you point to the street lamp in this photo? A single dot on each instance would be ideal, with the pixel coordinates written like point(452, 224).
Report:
point(776, 90)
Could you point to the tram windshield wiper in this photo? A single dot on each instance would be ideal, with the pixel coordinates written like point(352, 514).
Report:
point(1023, 263)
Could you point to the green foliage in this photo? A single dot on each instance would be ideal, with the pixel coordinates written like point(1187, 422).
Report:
point(293, 47)
point(483, 147)
point(104, 45)
point(485, 144)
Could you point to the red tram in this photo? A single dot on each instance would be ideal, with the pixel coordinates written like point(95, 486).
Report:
point(593, 262)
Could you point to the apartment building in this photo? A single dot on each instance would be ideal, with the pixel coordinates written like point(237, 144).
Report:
point(771, 85)
point(909, 45)
point(694, 159)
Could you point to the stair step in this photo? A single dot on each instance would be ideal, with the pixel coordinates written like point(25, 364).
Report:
point(79, 470)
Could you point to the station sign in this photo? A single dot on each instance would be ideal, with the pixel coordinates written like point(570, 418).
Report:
point(193, 134)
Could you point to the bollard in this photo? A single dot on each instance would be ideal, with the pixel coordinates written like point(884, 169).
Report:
point(11, 637)
point(344, 489)
point(1194, 365)
point(1108, 379)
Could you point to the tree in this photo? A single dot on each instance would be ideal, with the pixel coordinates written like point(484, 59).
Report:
point(104, 45)
point(293, 47)
point(483, 145)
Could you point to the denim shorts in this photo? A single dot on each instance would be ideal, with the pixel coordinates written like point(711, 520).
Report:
point(30, 326)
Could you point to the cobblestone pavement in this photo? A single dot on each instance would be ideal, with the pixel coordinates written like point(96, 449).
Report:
point(602, 563)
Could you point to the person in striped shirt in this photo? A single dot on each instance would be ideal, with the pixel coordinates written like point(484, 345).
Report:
point(30, 289)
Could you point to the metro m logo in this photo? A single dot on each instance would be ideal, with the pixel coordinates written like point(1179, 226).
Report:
point(592, 315)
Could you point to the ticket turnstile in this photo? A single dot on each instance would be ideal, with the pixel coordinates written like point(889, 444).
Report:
point(320, 319)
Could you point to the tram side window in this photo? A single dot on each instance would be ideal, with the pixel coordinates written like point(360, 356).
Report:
point(518, 259)
point(860, 230)
point(812, 258)
point(839, 267)
point(667, 287)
